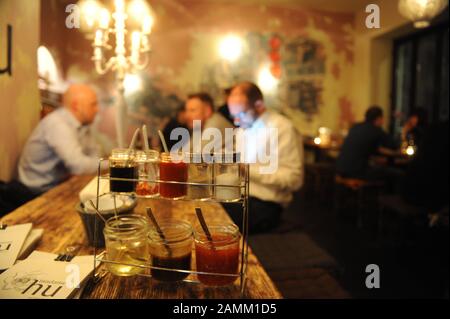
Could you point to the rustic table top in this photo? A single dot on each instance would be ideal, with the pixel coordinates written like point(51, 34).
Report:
point(55, 212)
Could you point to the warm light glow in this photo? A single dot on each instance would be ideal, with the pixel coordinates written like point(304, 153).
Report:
point(138, 10)
point(410, 150)
point(230, 48)
point(132, 83)
point(147, 24)
point(421, 12)
point(317, 140)
point(104, 19)
point(324, 130)
point(266, 81)
point(89, 11)
point(46, 66)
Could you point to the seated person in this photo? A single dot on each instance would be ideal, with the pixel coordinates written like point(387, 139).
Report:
point(270, 192)
point(200, 106)
point(61, 144)
point(178, 121)
point(364, 140)
point(426, 181)
point(414, 127)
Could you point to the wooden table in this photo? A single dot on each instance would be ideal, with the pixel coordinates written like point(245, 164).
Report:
point(55, 212)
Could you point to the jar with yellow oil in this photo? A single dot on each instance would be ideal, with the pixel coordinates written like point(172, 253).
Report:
point(126, 241)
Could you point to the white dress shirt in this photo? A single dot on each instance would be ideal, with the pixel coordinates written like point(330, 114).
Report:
point(58, 147)
point(276, 186)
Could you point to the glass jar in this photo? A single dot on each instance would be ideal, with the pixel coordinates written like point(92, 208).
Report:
point(126, 239)
point(201, 173)
point(172, 170)
point(219, 256)
point(229, 176)
point(148, 168)
point(122, 165)
point(173, 252)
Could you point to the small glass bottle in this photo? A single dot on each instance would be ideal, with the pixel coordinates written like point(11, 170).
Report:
point(122, 165)
point(199, 172)
point(126, 240)
point(175, 171)
point(172, 252)
point(221, 255)
point(228, 177)
point(148, 166)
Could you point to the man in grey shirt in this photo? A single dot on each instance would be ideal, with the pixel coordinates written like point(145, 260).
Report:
point(200, 107)
point(62, 145)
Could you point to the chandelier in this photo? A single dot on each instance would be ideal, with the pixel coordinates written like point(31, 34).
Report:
point(421, 12)
point(133, 21)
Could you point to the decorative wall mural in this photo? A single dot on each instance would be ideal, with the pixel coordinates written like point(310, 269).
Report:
point(304, 62)
point(301, 58)
point(306, 96)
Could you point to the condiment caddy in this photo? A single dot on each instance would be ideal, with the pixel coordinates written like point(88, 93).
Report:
point(173, 250)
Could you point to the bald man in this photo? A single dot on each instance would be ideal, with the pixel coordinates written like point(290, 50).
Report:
point(61, 145)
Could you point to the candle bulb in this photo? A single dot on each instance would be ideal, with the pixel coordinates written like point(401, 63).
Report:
point(97, 54)
point(135, 41)
point(104, 19)
point(135, 45)
point(120, 5)
point(98, 38)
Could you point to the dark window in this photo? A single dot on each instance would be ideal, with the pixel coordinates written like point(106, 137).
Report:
point(421, 76)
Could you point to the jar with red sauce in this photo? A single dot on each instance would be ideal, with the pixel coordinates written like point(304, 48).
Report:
point(148, 166)
point(172, 169)
point(220, 256)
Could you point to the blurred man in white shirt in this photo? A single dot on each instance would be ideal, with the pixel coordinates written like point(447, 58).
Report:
point(269, 192)
point(62, 144)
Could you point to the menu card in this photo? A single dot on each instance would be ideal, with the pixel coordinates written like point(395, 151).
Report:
point(41, 277)
point(12, 239)
point(30, 243)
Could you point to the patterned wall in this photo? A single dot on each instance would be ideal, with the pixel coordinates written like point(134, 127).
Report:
point(312, 52)
point(19, 97)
